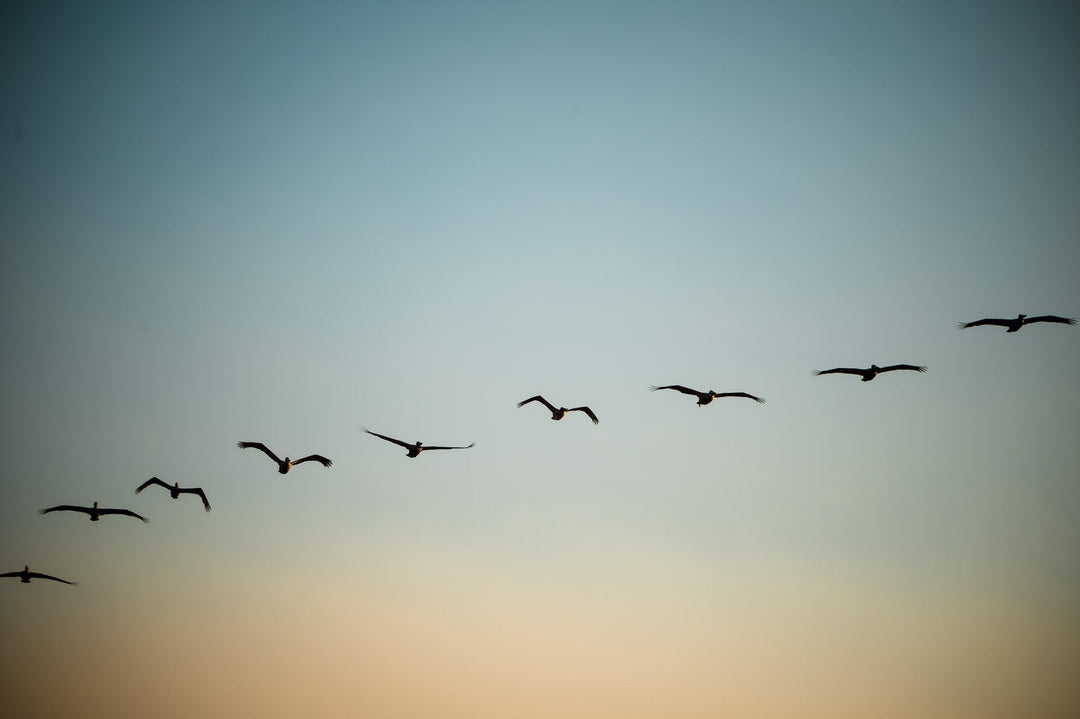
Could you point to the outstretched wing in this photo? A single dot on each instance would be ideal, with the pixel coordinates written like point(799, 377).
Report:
point(65, 508)
point(127, 512)
point(391, 439)
point(259, 445)
point(759, 400)
point(839, 370)
point(313, 457)
point(537, 398)
point(39, 575)
point(587, 411)
point(1052, 318)
point(10, 574)
point(677, 388)
point(198, 491)
point(890, 368)
point(978, 323)
point(152, 480)
point(426, 448)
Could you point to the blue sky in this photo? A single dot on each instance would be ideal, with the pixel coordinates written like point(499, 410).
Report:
point(283, 223)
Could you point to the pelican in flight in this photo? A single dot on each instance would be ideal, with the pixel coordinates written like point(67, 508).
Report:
point(414, 450)
point(284, 465)
point(26, 575)
point(703, 398)
point(869, 374)
point(559, 413)
point(176, 490)
point(1020, 321)
point(95, 512)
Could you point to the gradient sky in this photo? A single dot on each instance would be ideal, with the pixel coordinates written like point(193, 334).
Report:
point(283, 222)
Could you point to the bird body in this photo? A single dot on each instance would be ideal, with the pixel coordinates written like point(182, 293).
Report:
point(870, 373)
point(284, 465)
point(558, 413)
point(176, 490)
point(1016, 324)
point(26, 575)
point(704, 398)
point(95, 512)
point(413, 450)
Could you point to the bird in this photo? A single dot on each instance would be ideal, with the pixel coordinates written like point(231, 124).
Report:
point(869, 374)
point(176, 490)
point(284, 465)
point(703, 398)
point(26, 575)
point(561, 411)
point(1020, 321)
point(414, 450)
point(95, 512)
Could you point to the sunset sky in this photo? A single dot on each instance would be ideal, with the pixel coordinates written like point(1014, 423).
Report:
point(287, 222)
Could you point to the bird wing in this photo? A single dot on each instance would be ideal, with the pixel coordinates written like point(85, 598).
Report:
point(988, 321)
point(678, 388)
point(426, 448)
point(890, 368)
point(587, 411)
point(537, 398)
point(198, 491)
point(152, 480)
point(259, 445)
point(65, 508)
point(391, 439)
point(742, 394)
point(1052, 318)
point(128, 512)
point(11, 574)
point(316, 457)
point(39, 575)
point(841, 370)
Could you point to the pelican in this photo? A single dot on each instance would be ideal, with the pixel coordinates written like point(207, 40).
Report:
point(26, 575)
point(284, 465)
point(868, 374)
point(561, 411)
point(176, 490)
point(95, 512)
point(1019, 322)
point(414, 450)
point(703, 398)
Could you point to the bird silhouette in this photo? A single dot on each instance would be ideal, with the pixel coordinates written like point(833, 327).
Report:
point(26, 575)
point(415, 449)
point(1020, 321)
point(559, 413)
point(95, 512)
point(871, 373)
point(704, 398)
point(175, 490)
point(284, 465)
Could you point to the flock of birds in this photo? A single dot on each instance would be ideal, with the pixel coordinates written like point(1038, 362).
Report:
point(414, 449)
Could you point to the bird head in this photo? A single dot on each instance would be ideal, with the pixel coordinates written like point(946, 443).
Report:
point(1022, 317)
point(874, 368)
point(95, 504)
point(288, 461)
point(419, 443)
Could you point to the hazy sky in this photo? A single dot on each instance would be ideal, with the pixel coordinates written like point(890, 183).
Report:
point(285, 222)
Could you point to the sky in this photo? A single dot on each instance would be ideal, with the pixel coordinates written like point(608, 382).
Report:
point(288, 222)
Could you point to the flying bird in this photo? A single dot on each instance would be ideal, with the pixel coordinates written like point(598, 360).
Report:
point(284, 465)
point(95, 512)
point(26, 575)
point(176, 490)
point(560, 412)
point(414, 450)
point(703, 398)
point(1020, 321)
point(869, 374)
